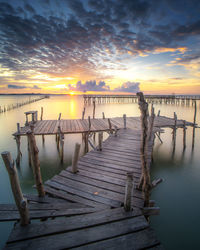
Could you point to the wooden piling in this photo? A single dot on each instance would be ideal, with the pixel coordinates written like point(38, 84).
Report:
point(94, 106)
point(124, 118)
point(41, 117)
point(36, 163)
point(195, 112)
point(151, 122)
point(20, 201)
point(83, 113)
point(128, 191)
point(89, 123)
point(145, 180)
point(184, 135)
point(103, 115)
point(100, 139)
point(110, 126)
point(59, 117)
point(75, 158)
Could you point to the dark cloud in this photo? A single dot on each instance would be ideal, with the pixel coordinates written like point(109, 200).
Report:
point(130, 87)
point(89, 37)
point(12, 86)
point(90, 86)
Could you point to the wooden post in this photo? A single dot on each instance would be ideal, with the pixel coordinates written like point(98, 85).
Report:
point(110, 126)
point(128, 191)
point(145, 180)
point(195, 111)
point(184, 135)
point(59, 117)
point(94, 109)
point(43, 139)
point(83, 114)
point(100, 137)
point(36, 163)
point(151, 121)
point(61, 147)
point(103, 115)
point(41, 117)
point(75, 158)
point(20, 201)
point(58, 137)
point(89, 123)
point(17, 139)
point(124, 117)
point(86, 142)
point(158, 113)
point(174, 129)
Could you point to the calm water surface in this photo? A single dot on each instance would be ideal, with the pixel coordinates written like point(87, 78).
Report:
point(177, 197)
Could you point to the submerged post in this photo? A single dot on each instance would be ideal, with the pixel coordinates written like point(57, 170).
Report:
point(100, 137)
point(128, 191)
point(75, 158)
point(20, 201)
point(124, 118)
point(94, 109)
point(36, 163)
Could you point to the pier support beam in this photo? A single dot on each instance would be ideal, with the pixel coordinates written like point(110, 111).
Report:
point(36, 163)
point(20, 201)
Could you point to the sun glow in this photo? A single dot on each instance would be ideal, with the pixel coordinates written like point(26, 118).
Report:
point(72, 93)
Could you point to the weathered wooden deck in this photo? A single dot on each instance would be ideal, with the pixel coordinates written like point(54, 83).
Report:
point(93, 201)
point(50, 127)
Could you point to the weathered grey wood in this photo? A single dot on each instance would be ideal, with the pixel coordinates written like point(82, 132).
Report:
point(85, 236)
point(78, 222)
point(124, 118)
point(75, 158)
point(93, 115)
point(195, 112)
point(83, 113)
point(20, 201)
point(36, 163)
point(136, 240)
point(41, 117)
point(128, 192)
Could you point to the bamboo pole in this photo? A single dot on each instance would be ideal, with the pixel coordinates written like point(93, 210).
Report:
point(20, 201)
point(41, 117)
point(128, 191)
point(124, 118)
point(75, 158)
point(94, 106)
point(100, 139)
point(36, 163)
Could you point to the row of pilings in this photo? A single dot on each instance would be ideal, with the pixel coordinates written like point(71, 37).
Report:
point(155, 99)
point(9, 107)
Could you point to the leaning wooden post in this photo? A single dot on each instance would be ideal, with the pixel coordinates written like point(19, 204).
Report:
point(36, 163)
point(83, 114)
point(94, 106)
point(145, 180)
point(75, 158)
point(18, 138)
point(195, 111)
point(61, 137)
point(59, 117)
point(124, 118)
point(103, 115)
point(100, 139)
point(128, 191)
point(41, 117)
point(20, 201)
point(174, 129)
point(158, 113)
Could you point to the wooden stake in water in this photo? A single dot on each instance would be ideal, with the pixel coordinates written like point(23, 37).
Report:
point(41, 117)
point(103, 115)
point(100, 137)
point(128, 191)
point(195, 111)
point(83, 113)
point(94, 106)
point(184, 135)
point(36, 163)
point(75, 158)
point(20, 201)
point(124, 118)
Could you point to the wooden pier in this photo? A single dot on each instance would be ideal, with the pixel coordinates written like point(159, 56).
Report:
point(97, 202)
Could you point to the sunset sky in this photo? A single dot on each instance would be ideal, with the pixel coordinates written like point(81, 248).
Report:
point(100, 46)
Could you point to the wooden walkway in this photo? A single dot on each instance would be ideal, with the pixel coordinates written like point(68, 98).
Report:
point(50, 127)
point(96, 195)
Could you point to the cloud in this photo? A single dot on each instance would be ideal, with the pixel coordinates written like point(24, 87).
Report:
point(12, 86)
point(89, 86)
point(130, 87)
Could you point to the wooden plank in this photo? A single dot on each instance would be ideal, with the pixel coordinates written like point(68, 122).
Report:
point(62, 194)
point(65, 225)
point(88, 195)
point(136, 240)
point(85, 236)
